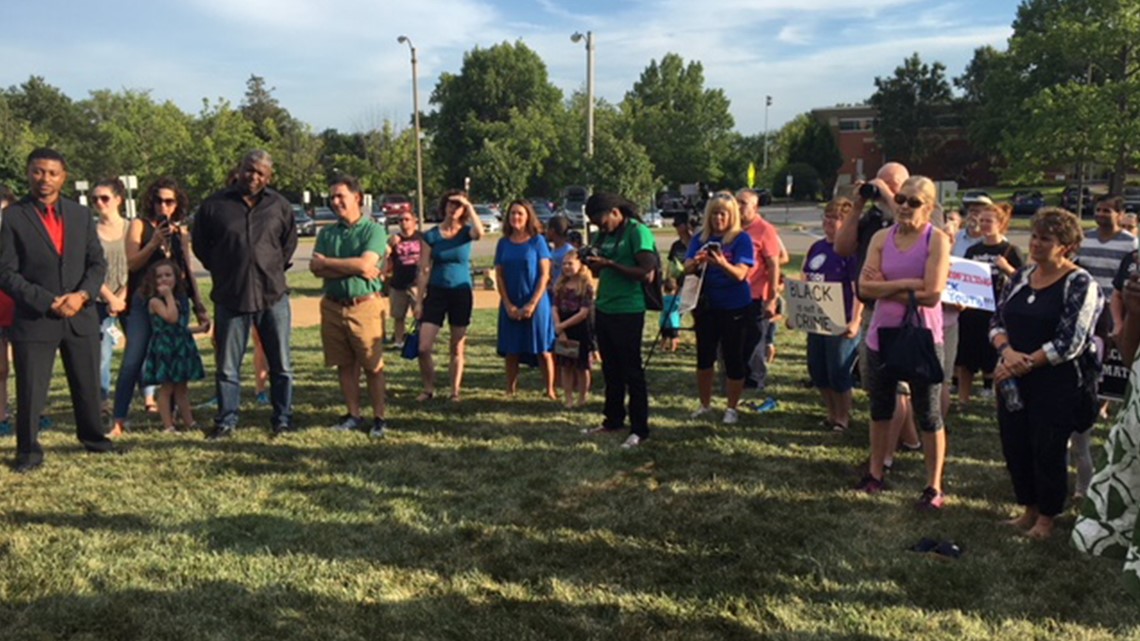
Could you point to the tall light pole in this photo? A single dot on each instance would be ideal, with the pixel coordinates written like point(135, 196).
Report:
point(767, 103)
point(416, 119)
point(577, 37)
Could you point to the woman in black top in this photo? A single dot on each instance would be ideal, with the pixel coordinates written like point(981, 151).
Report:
point(974, 350)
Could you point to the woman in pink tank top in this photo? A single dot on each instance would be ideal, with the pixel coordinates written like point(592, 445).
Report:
point(909, 256)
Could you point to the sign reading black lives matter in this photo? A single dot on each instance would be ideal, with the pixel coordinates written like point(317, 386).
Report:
point(1113, 377)
point(816, 306)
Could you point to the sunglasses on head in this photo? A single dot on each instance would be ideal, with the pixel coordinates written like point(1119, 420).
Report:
point(914, 203)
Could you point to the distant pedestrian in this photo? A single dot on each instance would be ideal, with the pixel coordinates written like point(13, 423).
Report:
point(400, 265)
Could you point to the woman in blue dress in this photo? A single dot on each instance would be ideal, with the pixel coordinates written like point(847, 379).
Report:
point(522, 271)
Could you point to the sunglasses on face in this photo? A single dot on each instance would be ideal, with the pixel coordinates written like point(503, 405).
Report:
point(915, 203)
point(166, 202)
point(102, 199)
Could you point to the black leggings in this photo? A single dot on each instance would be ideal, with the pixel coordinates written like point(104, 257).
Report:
point(726, 329)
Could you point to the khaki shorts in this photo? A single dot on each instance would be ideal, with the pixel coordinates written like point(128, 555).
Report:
point(353, 334)
point(401, 301)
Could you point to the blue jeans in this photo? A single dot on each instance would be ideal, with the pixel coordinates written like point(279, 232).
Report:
point(106, 349)
point(137, 325)
point(231, 331)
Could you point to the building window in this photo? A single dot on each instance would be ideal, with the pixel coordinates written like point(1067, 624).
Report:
point(856, 124)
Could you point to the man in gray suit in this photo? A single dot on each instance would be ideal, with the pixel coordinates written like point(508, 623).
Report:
point(52, 265)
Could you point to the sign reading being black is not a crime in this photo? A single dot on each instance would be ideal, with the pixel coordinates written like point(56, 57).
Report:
point(816, 306)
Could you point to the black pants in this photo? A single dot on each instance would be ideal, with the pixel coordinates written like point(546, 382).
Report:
point(34, 362)
point(619, 341)
point(1035, 441)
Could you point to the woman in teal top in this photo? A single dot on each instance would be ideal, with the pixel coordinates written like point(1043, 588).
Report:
point(443, 287)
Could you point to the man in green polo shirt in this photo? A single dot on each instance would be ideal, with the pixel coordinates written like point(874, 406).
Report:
point(347, 256)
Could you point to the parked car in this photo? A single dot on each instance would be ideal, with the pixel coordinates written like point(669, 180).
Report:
point(488, 215)
point(1027, 202)
point(764, 195)
point(393, 206)
point(1131, 199)
point(324, 216)
point(574, 206)
point(305, 226)
point(673, 207)
point(1069, 201)
point(654, 219)
point(542, 210)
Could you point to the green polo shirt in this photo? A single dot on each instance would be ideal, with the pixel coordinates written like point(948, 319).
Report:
point(616, 293)
point(344, 241)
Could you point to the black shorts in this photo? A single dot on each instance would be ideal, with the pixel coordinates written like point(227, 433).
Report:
point(453, 302)
point(670, 332)
point(722, 330)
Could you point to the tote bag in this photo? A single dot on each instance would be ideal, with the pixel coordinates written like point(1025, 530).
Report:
point(908, 350)
point(411, 348)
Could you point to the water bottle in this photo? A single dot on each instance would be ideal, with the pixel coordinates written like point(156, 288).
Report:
point(1011, 396)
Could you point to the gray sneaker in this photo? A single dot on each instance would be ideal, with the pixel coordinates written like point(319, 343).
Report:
point(378, 427)
point(349, 423)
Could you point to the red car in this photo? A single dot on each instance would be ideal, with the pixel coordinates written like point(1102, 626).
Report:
point(393, 206)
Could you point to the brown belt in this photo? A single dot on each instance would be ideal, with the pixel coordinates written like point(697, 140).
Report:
point(352, 302)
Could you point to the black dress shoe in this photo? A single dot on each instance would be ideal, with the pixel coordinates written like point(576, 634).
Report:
point(24, 467)
point(220, 432)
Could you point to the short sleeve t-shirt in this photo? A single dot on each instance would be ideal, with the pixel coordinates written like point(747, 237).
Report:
point(765, 244)
point(1127, 268)
point(1102, 259)
point(450, 258)
point(724, 291)
point(616, 293)
point(352, 241)
point(405, 259)
point(988, 254)
point(822, 264)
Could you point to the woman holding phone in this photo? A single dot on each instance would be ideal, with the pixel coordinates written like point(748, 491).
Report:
point(444, 288)
point(157, 234)
point(725, 255)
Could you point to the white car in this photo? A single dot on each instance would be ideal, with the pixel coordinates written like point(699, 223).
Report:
point(489, 218)
point(654, 219)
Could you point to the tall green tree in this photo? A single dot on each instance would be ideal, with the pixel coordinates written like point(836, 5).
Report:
point(222, 135)
point(128, 133)
point(909, 103)
point(474, 108)
point(1062, 50)
point(684, 127)
point(16, 141)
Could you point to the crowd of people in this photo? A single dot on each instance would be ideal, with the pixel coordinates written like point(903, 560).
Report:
point(80, 284)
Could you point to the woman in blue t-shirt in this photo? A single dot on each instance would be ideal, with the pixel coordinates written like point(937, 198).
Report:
point(721, 320)
point(444, 287)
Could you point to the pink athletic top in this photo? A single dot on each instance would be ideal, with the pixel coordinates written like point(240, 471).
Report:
point(897, 265)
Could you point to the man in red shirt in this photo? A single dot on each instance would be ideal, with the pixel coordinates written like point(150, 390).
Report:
point(52, 265)
point(764, 279)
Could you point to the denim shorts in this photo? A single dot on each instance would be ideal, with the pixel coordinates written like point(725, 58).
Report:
point(830, 360)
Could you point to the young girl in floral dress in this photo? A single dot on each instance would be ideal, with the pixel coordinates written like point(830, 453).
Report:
point(172, 360)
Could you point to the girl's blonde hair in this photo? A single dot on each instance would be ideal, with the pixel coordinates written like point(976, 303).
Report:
point(722, 201)
point(579, 282)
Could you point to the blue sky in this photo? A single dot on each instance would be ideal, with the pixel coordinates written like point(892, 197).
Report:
point(336, 63)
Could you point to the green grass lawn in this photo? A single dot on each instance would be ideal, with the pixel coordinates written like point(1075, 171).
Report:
point(496, 519)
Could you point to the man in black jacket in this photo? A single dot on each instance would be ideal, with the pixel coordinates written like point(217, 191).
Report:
point(245, 235)
point(52, 265)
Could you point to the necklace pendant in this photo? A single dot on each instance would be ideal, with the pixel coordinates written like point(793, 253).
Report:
point(1032, 298)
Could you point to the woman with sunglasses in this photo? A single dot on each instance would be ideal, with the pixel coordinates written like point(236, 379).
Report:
point(158, 234)
point(909, 258)
point(107, 197)
point(443, 288)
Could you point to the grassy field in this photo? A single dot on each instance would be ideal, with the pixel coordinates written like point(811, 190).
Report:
point(496, 519)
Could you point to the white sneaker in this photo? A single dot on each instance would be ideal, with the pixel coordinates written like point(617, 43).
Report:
point(701, 411)
point(731, 416)
point(633, 441)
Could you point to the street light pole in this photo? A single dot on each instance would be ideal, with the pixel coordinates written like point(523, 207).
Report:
point(416, 120)
point(767, 103)
point(577, 37)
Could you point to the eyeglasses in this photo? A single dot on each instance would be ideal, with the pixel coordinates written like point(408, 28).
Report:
point(102, 198)
point(166, 202)
point(914, 203)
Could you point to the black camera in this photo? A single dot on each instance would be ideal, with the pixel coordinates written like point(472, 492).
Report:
point(588, 252)
point(869, 191)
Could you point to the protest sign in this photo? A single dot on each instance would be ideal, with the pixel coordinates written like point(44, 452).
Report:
point(1113, 377)
point(970, 284)
point(816, 306)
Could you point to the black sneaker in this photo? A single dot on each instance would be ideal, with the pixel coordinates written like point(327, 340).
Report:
point(378, 427)
point(220, 432)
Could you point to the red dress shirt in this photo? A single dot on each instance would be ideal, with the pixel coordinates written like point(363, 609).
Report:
point(53, 221)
